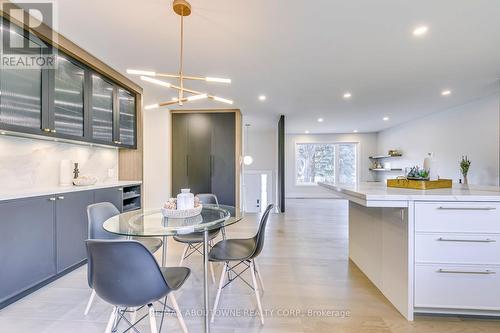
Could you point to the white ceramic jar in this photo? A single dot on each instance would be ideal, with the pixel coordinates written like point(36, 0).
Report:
point(185, 199)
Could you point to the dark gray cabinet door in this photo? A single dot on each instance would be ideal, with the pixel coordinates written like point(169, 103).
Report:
point(179, 152)
point(27, 244)
point(68, 117)
point(223, 157)
point(71, 227)
point(102, 110)
point(113, 195)
point(126, 118)
point(199, 146)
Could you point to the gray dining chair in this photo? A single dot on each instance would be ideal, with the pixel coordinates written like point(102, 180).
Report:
point(125, 274)
point(193, 242)
point(97, 214)
point(241, 253)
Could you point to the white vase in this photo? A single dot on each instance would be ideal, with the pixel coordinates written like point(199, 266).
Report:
point(185, 199)
point(431, 166)
point(65, 173)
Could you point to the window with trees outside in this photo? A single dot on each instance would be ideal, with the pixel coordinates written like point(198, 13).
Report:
point(325, 162)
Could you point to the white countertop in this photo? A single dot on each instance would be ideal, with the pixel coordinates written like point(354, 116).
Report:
point(28, 193)
point(374, 194)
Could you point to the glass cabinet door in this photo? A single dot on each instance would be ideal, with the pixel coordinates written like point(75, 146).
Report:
point(102, 110)
point(21, 88)
point(126, 117)
point(68, 98)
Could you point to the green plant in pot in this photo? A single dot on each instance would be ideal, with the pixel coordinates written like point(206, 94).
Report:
point(464, 168)
point(416, 173)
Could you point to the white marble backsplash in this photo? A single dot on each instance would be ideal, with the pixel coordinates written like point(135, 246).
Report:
point(34, 164)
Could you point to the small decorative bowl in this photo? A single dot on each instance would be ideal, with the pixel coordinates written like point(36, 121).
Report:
point(85, 181)
point(181, 214)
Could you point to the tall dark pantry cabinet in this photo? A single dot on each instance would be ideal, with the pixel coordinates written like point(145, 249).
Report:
point(206, 149)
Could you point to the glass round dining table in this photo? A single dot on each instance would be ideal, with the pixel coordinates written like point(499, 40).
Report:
point(152, 223)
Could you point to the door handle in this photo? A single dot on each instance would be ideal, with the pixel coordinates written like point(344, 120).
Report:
point(486, 240)
point(453, 271)
point(211, 165)
point(467, 208)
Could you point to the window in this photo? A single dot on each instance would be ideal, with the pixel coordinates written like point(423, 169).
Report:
point(325, 162)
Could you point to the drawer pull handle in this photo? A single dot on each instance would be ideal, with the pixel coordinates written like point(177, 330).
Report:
point(452, 271)
point(487, 240)
point(467, 208)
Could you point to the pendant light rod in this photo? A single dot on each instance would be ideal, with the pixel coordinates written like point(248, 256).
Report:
point(181, 8)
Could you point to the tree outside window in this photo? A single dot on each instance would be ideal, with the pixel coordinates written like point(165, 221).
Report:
point(325, 162)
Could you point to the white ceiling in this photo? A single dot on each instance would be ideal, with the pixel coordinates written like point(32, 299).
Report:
point(305, 54)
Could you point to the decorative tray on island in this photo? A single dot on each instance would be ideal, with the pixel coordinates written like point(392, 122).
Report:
point(419, 184)
point(181, 213)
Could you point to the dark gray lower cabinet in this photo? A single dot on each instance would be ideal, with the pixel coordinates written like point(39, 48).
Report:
point(27, 244)
point(72, 228)
point(113, 195)
point(44, 236)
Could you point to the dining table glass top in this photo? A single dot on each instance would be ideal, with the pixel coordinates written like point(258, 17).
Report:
point(152, 223)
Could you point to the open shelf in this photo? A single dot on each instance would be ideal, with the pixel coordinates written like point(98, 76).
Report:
point(378, 157)
point(388, 170)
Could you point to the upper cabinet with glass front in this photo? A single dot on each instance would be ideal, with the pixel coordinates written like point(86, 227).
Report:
point(68, 116)
point(70, 100)
point(21, 96)
point(126, 118)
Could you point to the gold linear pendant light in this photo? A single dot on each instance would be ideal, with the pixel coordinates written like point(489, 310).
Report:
point(181, 8)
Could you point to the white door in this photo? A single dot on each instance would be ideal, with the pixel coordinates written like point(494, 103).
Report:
point(253, 192)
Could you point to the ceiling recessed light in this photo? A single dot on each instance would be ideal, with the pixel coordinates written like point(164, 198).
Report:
point(307, 132)
point(385, 118)
point(347, 95)
point(355, 131)
point(262, 98)
point(446, 92)
point(420, 30)
point(320, 120)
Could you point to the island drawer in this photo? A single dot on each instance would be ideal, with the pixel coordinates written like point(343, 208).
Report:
point(457, 217)
point(457, 286)
point(457, 248)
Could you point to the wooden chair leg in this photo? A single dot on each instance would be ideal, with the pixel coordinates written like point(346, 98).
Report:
point(89, 304)
point(257, 271)
point(152, 319)
point(217, 297)
point(183, 254)
point(256, 289)
point(112, 320)
point(178, 312)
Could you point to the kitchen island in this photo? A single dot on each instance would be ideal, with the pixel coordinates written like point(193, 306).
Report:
point(434, 251)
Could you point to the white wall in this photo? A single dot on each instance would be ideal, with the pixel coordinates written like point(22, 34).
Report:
point(157, 157)
point(263, 148)
point(367, 145)
point(471, 129)
point(27, 163)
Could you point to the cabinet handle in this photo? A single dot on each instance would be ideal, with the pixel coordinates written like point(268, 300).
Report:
point(60, 197)
point(486, 240)
point(467, 208)
point(52, 199)
point(53, 131)
point(187, 165)
point(118, 142)
point(452, 271)
point(46, 129)
point(119, 189)
point(211, 165)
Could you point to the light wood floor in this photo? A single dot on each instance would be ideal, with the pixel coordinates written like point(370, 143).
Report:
point(305, 267)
